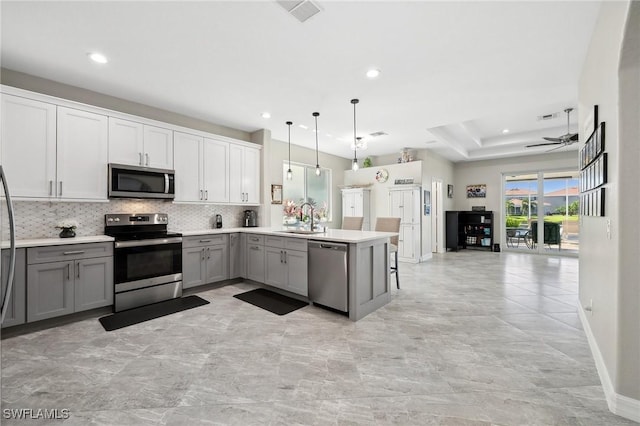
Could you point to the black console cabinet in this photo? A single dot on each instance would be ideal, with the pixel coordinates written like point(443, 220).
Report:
point(469, 229)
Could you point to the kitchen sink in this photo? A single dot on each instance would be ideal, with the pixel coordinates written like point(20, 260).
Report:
point(300, 231)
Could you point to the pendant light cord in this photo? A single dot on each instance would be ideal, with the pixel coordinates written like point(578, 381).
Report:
point(289, 124)
point(316, 117)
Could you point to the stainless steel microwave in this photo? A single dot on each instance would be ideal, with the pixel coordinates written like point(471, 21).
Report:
point(140, 182)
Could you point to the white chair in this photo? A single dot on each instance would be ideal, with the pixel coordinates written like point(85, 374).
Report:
point(391, 224)
point(352, 222)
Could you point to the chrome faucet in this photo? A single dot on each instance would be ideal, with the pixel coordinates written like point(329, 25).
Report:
point(302, 211)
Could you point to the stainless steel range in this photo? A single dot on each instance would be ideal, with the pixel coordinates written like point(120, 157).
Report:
point(147, 259)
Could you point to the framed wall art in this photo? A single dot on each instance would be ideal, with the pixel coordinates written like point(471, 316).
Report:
point(276, 194)
point(477, 191)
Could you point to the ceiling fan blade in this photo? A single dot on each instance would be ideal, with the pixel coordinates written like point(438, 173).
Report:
point(544, 144)
point(553, 139)
point(557, 147)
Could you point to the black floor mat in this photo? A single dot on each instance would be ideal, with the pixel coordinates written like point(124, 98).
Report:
point(149, 312)
point(272, 302)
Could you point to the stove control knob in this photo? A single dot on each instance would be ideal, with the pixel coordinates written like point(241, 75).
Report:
point(117, 219)
point(110, 219)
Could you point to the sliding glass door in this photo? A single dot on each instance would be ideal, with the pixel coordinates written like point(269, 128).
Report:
point(541, 212)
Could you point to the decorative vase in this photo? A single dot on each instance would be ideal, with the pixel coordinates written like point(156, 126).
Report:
point(67, 233)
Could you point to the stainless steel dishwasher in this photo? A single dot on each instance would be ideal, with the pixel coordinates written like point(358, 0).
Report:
point(328, 279)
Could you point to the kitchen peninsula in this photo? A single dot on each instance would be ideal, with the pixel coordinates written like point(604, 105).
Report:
point(260, 252)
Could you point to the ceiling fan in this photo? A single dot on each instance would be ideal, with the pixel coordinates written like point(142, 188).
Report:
point(564, 140)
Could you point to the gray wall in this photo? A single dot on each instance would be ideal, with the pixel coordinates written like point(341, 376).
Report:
point(53, 88)
point(609, 271)
point(275, 152)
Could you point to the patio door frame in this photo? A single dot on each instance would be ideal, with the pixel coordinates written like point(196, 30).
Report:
point(540, 219)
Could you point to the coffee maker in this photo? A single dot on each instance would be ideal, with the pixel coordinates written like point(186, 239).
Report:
point(250, 219)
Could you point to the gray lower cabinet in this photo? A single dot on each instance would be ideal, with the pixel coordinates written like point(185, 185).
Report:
point(205, 259)
point(17, 308)
point(63, 287)
point(286, 264)
point(255, 258)
point(237, 242)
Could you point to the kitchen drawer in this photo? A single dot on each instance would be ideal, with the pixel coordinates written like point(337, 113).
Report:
point(253, 239)
point(68, 252)
point(299, 244)
point(204, 240)
point(271, 241)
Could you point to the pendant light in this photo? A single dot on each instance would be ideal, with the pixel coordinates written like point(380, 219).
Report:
point(289, 172)
point(354, 166)
point(315, 115)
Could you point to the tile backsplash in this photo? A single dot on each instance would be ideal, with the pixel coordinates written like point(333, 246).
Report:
point(37, 219)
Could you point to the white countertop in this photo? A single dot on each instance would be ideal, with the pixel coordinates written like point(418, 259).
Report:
point(39, 242)
point(334, 235)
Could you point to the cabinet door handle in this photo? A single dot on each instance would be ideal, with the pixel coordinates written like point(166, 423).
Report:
point(206, 194)
point(78, 269)
point(50, 188)
point(60, 194)
point(208, 253)
point(66, 253)
point(201, 194)
point(68, 271)
point(281, 261)
point(255, 248)
point(146, 156)
point(202, 254)
point(140, 158)
point(285, 257)
point(205, 241)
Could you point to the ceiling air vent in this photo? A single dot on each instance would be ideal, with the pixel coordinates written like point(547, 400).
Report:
point(548, 116)
point(376, 134)
point(301, 10)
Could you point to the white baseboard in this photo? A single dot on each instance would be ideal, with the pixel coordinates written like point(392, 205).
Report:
point(618, 404)
point(426, 257)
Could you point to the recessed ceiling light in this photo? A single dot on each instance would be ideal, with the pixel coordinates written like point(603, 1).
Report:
point(373, 73)
point(303, 126)
point(265, 115)
point(98, 57)
point(505, 130)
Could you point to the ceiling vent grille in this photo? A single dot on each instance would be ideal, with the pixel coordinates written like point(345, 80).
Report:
point(380, 133)
point(548, 116)
point(301, 10)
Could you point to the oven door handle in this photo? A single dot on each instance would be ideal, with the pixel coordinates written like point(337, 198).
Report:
point(142, 243)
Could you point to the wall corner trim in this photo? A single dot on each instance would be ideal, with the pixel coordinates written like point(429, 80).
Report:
point(619, 405)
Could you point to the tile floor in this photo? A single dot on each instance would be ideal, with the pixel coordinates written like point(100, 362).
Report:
point(472, 338)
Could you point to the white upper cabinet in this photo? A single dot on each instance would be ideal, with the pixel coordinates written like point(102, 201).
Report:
point(215, 170)
point(138, 144)
point(188, 167)
point(51, 152)
point(82, 155)
point(202, 169)
point(244, 174)
point(28, 146)
point(54, 149)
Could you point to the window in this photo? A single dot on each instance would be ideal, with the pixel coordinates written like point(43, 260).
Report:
point(305, 187)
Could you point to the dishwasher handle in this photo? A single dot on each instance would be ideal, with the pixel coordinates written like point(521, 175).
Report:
point(329, 246)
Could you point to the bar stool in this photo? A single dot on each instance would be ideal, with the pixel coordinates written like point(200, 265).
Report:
point(391, 224)
point(352, 222)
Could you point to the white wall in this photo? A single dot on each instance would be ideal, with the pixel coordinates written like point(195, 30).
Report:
point(609, 270)
point(490, 172)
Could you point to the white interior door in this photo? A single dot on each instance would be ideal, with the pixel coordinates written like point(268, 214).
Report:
point(437, 217)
